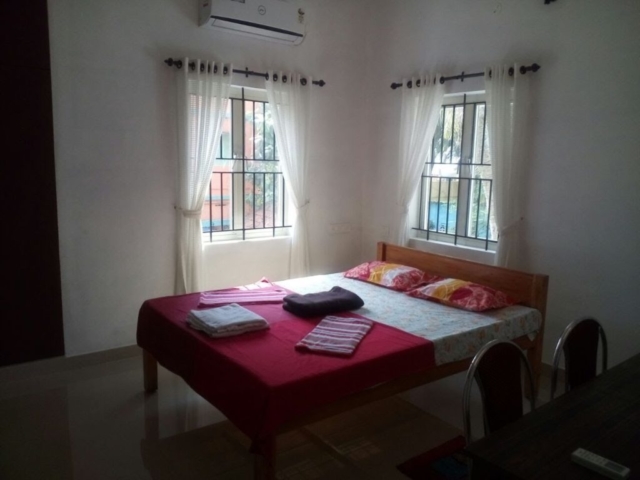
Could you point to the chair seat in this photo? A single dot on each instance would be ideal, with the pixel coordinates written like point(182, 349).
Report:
point(443, 462)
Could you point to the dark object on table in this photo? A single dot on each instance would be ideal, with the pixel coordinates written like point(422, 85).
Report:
point(317, 304)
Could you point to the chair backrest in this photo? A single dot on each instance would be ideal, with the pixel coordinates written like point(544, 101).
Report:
point(497, 369)
point(579, 344)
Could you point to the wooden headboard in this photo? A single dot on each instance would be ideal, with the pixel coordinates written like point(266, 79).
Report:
point(529, 289)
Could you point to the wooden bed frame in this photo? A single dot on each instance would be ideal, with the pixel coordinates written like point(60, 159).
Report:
point(528, 289)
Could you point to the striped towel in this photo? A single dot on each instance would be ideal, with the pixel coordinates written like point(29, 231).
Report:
point(336, 335)
point(260, 293)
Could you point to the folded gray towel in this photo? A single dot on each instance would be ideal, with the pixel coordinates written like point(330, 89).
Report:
point(226, 321)
point(317, 304)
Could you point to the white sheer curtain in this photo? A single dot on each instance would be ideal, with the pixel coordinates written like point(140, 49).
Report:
point(203, 95)
point(507, 116)
point(420, 111)
point(290, 105)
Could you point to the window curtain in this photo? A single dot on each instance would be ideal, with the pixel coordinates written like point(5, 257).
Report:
point(290, 103)
point(507, 115)
point(203, 95)
point(419, 118)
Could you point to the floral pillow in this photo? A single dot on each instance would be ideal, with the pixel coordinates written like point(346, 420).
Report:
point(391, 275)
point(464, 295)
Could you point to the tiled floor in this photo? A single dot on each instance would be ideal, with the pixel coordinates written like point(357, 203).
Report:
point(96, 423)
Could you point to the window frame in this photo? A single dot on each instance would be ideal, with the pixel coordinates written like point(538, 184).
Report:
point(238, 159)
point(469, 102)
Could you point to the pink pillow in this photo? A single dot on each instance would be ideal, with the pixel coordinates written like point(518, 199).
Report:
point(462, 294)
point(391, 275)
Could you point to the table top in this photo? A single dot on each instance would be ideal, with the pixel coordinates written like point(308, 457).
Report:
point(602, 416)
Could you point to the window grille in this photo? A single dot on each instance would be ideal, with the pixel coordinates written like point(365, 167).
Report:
point(455, 196)
point(247, 196)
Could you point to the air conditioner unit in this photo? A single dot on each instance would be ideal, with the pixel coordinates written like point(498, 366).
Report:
point(274, 20)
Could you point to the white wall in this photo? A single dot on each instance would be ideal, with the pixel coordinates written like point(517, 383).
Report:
point(115, 151)
point(583, 215)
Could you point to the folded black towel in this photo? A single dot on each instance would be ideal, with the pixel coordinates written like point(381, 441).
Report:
point(322, 303)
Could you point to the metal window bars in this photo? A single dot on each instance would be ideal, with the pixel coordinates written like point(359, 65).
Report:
point(456, 189)
point(247, 191)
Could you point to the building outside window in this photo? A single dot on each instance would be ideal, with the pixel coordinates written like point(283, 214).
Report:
point(247, 196)
point(455, 203)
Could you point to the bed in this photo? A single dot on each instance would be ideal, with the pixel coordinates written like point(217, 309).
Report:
point(252, 381)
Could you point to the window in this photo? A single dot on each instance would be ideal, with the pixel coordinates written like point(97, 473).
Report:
point(247, 196)
point(455, 194)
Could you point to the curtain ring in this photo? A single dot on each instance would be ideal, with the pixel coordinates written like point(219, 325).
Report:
point(409, 84)
point(266, 76)
point(418, 83)
point(441, 80)
point(303, 81)
point(511, 71)
point(225, 70)
point(202, 67)
point(215, 69)
point(192, 65)
point(284, 79)
point(275, 77)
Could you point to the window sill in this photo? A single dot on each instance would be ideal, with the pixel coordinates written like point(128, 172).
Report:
point(236, 236)
point(457, 251)
point(238, 241)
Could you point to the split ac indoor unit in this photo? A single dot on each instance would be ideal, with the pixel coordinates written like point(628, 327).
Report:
point(274, 20)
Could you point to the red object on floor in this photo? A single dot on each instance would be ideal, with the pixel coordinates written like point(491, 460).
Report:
point(258, 379)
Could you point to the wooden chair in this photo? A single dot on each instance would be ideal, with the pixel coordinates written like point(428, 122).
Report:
point(497, 370)
point(579, 344)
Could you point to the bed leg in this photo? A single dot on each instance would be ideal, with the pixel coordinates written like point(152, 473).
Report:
point(150, 372)
point(264, 464)
point(151, 420)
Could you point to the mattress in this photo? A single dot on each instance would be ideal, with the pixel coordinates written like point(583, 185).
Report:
point(456, 334)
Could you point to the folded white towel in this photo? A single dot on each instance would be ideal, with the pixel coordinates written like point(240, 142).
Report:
point(226, 321)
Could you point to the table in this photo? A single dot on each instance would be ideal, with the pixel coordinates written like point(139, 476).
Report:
point(602, 416)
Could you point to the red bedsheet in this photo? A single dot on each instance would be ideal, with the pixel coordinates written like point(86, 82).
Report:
point(258, 379)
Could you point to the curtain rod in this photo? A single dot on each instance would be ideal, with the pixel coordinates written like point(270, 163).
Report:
point(531, 68)
point(246, 72)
